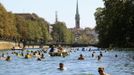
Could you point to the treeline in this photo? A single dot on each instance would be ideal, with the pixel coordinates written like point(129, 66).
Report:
point(115, 23)
point(61, 34)
point(29, 28)
point(14, 27)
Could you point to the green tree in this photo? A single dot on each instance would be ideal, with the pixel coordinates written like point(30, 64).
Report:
point(61, 33)
point(115, 23)
point(7, 24)
point(22, 28)
point(32, 29)
point(44, 25)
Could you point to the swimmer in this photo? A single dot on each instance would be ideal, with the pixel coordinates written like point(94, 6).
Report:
point(8, 58)
point(99, 57)
point(81, 57)
point(61, 66)
point(101, 71)
point(39, 59)
point(101, 54)
point(116, 55)
point(93, 54)
point(3, 55)
point(42, 56)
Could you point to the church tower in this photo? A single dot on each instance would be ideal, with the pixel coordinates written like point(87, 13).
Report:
point(56, 17)
point(77, 17)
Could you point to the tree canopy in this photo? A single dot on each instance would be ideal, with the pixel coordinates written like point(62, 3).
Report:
point(115, 23)
point(22, 27)
point(61, 33)
point(7, 24)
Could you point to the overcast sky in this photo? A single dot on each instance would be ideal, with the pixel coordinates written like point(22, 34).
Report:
point(66, 10)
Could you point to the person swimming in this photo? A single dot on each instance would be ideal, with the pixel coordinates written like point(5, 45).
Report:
point(52, 49)
point(101, 54)
point(81, 57)
point(38, 59)
point(8, 58)
point(42, 56)
point(99, 57)
point(93, 54)
point(22, 54)
point(116, 55)
point(61, 66)
point(3, 55)
point(101, 71)
point(60, 49)
point(27, 56)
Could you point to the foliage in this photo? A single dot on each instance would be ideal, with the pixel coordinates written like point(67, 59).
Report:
point(7, 25)
point(26, 27)
point(115, 23)
point(61, 34)
point(17, 27)
point(33, 29)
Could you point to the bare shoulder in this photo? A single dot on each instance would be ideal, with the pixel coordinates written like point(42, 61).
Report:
point(107, 74)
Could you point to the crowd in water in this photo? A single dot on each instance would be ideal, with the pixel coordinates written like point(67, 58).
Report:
point(40, 55)
point(27, 54)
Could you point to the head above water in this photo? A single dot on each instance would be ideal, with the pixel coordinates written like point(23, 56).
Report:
point(101, 70)
point(61, 66)
point(8, 58)
point(81, 55)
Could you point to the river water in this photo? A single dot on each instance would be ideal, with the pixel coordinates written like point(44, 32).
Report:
point(122, 65)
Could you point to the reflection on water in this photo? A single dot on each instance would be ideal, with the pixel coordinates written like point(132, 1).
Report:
point(122, 65)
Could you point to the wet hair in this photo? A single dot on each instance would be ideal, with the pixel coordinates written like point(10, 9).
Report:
point(8, 58)
point(100, 69)
point(81, 55)
point(61, 64)
point(39, 59)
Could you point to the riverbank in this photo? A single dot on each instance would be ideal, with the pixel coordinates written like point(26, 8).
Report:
point(5, 45)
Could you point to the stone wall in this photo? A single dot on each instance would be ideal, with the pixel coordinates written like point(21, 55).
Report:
point(8, 45)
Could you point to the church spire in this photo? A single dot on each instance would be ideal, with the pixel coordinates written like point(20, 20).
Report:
point(56, 17)
point(77, 9)
point(77, 17)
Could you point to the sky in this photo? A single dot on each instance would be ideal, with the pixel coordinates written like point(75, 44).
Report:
point(66, 10)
